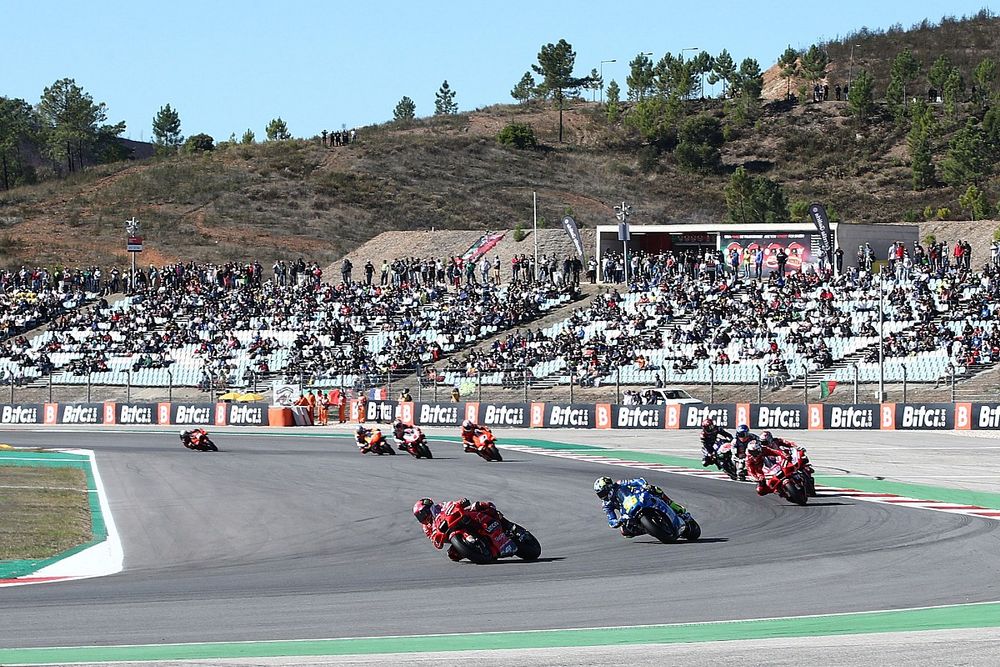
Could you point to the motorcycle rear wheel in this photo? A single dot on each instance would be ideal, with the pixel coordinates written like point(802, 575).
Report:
point(476, 551)
point(655, 525)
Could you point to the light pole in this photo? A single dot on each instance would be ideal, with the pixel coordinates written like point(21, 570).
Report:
point(850, 68)
point(613, 60)
point(881, 336)
point(622, 212)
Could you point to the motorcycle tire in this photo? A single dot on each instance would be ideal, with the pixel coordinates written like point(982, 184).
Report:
point(794, 492)
point(389, 450)
point(656, 525)
point(425, 451)
point(476, 551)
point(208, 446)
point(528, 547)
point(693, 531)
point(811, 486)
point(494, 453)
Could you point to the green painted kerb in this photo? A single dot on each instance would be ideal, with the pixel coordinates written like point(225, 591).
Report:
point(984, 615)
point(10, 569)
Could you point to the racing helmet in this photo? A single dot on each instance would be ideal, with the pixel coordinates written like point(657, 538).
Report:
point(603, 487)
point(742, 431)
point(708, 423)
point(766, 436)
point(398, 426)
point(754, 449)
point(467, 425)
point(361, 430)
point(425, 509)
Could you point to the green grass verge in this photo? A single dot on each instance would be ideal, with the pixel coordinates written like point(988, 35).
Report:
point(45, 511)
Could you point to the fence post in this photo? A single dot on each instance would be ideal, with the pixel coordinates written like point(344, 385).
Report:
point(12, 388)
point(760, 385)
point(420, 382)
point(951, 369)
point(805, 383)
point(856, 372)
point(253, 378)
point(479, 385)
point(50, 386)
point(388, 385)
point(903, 366)
point(572, 377)
point(128, 386)
point(435, 381)
point(524, 375)
point(170, 386)
point(88, 389)
point(211, 385)
point(618, 386)
point(711, 383)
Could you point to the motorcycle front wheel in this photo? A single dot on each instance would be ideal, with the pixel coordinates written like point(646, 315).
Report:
point(471, 548)
point(657, 526)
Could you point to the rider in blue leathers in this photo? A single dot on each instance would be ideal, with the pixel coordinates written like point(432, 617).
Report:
point(610, 493)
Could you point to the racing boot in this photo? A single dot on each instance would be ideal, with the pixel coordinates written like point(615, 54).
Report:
point(629, 530)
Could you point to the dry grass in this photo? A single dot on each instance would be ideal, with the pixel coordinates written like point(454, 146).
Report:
point(45, 511)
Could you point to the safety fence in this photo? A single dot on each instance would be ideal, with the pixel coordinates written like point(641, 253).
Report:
point(783, 416)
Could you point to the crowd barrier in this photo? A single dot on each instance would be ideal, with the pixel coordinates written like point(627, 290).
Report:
point(774, 416)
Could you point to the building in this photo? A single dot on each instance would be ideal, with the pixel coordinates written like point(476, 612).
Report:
point(801, 240)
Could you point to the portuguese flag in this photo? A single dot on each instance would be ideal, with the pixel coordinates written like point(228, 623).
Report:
point(826, 388)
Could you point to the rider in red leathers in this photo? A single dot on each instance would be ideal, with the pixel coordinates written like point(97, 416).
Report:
point(470, 430)
point(794, 452)
point(756, 454)
point(426, 510)
point(404, 433)
point(192, 439)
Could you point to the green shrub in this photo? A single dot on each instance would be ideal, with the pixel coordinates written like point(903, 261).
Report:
point(518, 233)
point(518, 135)
point(944, 213)
point(911, 216)
point(799, 210)
point(929, 212)
point(649, 159)
point(930, 239)
point(199, 143)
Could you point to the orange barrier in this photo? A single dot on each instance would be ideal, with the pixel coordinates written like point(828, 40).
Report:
point(280, 417)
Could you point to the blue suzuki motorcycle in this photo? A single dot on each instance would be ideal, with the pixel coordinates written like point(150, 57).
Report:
point(647, 513)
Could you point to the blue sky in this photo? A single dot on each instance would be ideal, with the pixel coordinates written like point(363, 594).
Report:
point(228, 66)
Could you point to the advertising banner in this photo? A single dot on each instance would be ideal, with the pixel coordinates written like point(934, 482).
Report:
point(819, 217)
point(81, 413)
point(797, 246)
point(21, 413)
point(504, 414)
point(917, 416)
point(200, 414)
point(692, 415)
point(977, 416)
point(638, 416)
point(381, 411)
point(778, 416)
point(569, 224)
point(438, 414)
point(575, 415)
point(823, 416)
point(135, 413)
point(284, 394)
point(247, 414)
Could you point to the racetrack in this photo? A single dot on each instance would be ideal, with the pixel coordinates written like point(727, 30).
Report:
point(301, 537)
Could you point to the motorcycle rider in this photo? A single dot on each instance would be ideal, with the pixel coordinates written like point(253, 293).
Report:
point(192, 438)
point(711, 435)
point(795, 453)
point(756, 455)
point(404, 433)
point(744, 438)
point(470, 430)
point(609, 491)
point(366, 437)
point(426, 510)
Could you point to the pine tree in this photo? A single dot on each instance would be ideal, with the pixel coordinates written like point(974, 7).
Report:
point(167, 130)
point(444, 100)
point(277, 130)
point(640, 77)
point(919, 142)
point(789, 63)
point(966, 162)
point(613, 104)
point(524, 89)
point(248, 137)
point(405, 110)
point(861, 98)
point(724, 70)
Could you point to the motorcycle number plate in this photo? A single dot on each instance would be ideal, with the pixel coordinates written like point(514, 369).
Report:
point(629, 503)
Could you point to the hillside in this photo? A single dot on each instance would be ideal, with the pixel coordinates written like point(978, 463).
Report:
point(298, 198)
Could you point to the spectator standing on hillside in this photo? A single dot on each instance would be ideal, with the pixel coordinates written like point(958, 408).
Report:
point(782, 258)
point(345, 271)
point(496, 270)
point(758, 262)
point(967, 254)
point(485, 270)
point(838, 259)
point(592, 269)
point(369, 272)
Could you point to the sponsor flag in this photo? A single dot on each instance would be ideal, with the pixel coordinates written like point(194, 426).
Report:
point(818, 214)
point(482, 246)
point(826, 388)
point(569, 224)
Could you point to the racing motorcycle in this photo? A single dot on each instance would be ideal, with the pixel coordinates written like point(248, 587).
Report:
point(645, 513)
point(376, 444)
point(416, 445)
point(198, 440)
point(785, 478)
point(723, 458)
point(485, 444)
point(801, 463)
point(482, 538)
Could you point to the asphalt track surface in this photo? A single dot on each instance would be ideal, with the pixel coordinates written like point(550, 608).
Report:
point(287, 538)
